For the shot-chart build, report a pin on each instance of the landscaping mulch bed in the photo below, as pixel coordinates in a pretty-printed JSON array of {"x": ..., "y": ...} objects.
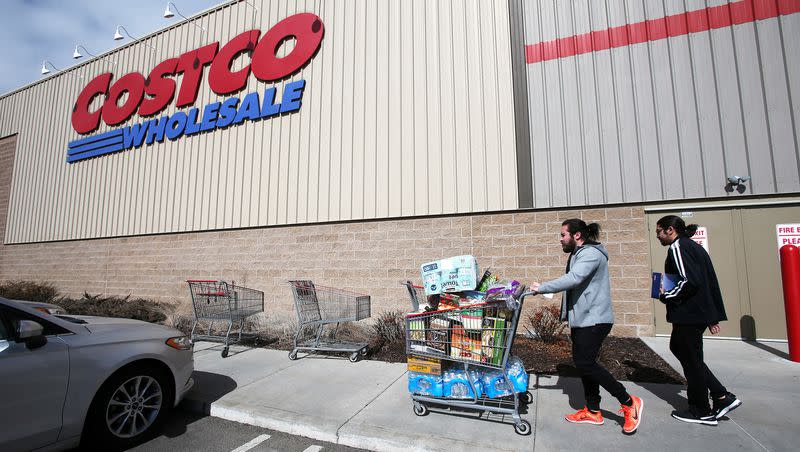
[{"x": 627, "y": 358}]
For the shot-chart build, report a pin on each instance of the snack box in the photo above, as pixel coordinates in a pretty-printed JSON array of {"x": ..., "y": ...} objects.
[{"x": 425, "y": 365}]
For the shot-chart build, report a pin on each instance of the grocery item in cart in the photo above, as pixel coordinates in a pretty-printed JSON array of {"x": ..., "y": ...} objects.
[
  {"x": 486, "y": 281},
  {"x": 425, "y": 384},
  {"x": 492, "y": 340},
  {"x": 517, "y": 373},
  {"x": 453, "y": 274},
  {"x": 428, "y": 366},
  {"x": 457, "y": 386},
  {"x": 465, "y": 345},
  {"x": 495, "y": 384},
  {"x": 471, "y": 319},
  {"x": 437, "y": 336},
  {"x": 416, "y": 330}
]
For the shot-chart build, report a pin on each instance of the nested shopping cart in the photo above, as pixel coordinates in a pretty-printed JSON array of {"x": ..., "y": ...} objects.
[
  {"x": 219, "y": 301},
  {"x": 319, "y": 307},
  {"x": 478, "y": 339}
]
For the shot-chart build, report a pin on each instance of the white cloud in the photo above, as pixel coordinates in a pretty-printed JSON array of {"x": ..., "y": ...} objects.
[{"x": 38, "y": 30}]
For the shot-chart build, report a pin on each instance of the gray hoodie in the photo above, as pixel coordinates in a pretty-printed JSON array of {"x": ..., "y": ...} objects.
[{"x": 586, "y": 287}]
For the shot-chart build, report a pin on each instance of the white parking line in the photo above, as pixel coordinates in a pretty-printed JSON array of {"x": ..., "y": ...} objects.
[
  {"x": 313, "y": 449},
  {"x": 251, "y": 444}
]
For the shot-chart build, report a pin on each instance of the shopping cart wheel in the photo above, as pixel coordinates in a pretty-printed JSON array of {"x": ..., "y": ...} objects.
[
  {"x": 293, "y": 355},
  {"x": 526, "y": 397},
  {"x": 523, "y": 428},
  {"x": 225, "y": 352},
  {"x": 420, "y": 409},
  {"x": 355, "y": 357}
]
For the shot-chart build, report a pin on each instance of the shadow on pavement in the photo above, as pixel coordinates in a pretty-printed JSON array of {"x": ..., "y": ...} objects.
[
  {"x": 767, "y": 348},
  {"x": 571, "y": 386},
  {"x": 208, "y": 388}
]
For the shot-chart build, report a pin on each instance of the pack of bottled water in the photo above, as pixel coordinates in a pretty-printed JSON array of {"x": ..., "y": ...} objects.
[
  {"x": 457, "y": 383},
  {"x": 454, "y": 381}
]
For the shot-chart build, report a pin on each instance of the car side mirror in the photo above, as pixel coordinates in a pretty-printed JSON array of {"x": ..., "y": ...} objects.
[{"x": 30, "y": 333}]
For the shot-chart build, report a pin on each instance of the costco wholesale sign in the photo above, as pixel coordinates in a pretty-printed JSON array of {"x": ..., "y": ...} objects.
[{"x": 150, "y": 96}]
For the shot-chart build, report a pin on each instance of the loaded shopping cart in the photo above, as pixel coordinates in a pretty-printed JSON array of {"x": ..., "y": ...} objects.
[
  {"x": 319, "y": 307},
  {"x": 219, "y": 301},
  {"x": 460, "y": 357}
]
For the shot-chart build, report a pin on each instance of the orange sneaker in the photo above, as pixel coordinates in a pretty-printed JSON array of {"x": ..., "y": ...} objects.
[
  {"x": 633, "y": 415},
  {"x": 585, "y": 416}
]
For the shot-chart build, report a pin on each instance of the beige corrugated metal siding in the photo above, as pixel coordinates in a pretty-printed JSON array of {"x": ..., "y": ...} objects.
[
  {"x": 407, "y": 111},
  {"x": 666, "y": 119}
]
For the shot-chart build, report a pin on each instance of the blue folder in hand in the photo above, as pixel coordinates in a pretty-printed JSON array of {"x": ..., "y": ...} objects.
[
  {"x": 655, "y": 287},
  {"x": 665, "y": 281}
]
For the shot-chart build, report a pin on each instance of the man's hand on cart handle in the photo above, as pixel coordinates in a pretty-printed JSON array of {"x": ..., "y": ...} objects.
[{"x": 535, "y": 291}]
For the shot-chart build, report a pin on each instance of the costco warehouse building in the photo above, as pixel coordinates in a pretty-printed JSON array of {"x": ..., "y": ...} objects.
[{"x": 350, "y": 141}]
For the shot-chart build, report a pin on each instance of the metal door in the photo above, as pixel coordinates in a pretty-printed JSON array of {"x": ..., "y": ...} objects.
[{"x": 768, "y": 318}]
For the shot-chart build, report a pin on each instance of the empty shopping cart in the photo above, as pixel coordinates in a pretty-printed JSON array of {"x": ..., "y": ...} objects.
[
  {"x": 219, "y": 301},
  {"x": 319, "y": 306}
]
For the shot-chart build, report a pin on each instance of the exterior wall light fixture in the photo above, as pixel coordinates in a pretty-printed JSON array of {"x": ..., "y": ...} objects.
[
  {"x": 168, "y": 13},
  {"x": 46, "y": 71},
  {"x": 119, "y": 36},
  {"x": 77, "y": 54}
]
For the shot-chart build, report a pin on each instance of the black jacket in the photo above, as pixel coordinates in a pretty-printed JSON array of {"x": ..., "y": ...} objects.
[{"x": 696, "y": 298}]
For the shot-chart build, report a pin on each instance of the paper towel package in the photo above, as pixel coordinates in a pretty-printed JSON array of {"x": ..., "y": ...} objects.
[{"x": 450, "y": 275}]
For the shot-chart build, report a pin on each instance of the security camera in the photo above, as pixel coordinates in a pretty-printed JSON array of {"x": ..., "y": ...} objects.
[{"x": 738, "y": 180}]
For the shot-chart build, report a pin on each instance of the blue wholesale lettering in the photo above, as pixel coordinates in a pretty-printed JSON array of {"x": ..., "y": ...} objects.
[{"x": 215, "y": 115}]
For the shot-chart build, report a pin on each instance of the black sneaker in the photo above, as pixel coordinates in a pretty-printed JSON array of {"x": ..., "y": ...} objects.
[
  {"x": 725, "y": 405},
  {"x": 694, "y": 417}
]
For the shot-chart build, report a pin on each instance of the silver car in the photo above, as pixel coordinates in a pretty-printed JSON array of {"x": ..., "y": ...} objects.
[{"x": 97, "y": 380}]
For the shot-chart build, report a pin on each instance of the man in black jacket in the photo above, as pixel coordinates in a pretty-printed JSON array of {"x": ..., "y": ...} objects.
[{"x": 693, "y": 304}]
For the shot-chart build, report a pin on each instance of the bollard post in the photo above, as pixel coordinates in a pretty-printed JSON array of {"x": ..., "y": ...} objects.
[{"x": 790, "y": 274}]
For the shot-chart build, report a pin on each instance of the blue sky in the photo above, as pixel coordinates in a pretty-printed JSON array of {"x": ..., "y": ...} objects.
[{"x": 38, "y": 30}]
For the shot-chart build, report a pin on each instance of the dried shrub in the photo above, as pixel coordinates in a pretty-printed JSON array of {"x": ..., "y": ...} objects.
[
  {"x": 120, "y": 307},
  {"x": 546, "y": 323},
  {"x": 180, "y": 322},
  {"x": 389, "y": 327},
  {"x": 29, "y": 291}
]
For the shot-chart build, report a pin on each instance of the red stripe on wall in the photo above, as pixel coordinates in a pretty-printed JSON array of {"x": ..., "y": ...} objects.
[{"x": 711, "y": 18}]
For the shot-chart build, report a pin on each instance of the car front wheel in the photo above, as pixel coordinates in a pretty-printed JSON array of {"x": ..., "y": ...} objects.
[{"x": 129, "y": 405}]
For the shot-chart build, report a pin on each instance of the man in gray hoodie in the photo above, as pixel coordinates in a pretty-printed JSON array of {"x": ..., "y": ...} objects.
[{"x": 586, "y": 305}]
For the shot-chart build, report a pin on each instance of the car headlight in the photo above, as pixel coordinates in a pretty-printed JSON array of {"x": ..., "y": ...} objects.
[
  {"x": 52, "y": 311},
  {"x": 180, "y": 343}
]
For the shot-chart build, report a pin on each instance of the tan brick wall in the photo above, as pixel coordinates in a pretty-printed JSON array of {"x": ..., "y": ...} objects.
[{"x": 372, "y": 257}]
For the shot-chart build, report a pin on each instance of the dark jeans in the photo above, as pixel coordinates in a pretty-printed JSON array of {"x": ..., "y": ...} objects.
[
  {"x": 686, "y": 343},
  {"x": 586, "y": 344}
]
